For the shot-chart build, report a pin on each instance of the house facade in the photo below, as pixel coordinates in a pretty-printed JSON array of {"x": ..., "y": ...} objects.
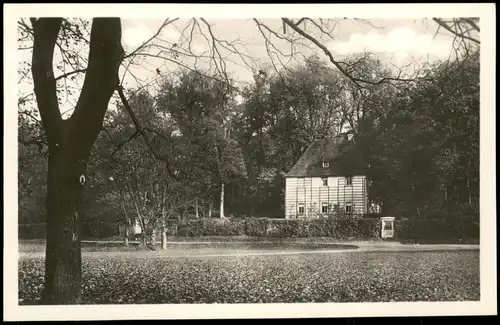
[{"x": 322, "y": 183}]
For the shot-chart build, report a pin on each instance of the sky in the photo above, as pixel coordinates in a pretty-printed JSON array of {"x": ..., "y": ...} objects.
[{"x": 398, "y": 42}]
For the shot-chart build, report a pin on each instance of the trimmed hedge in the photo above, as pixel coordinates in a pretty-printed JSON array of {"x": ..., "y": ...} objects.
[
  {"x": 282, "y": 228},
  {"x": 436, "y": 229},
  {"x": 439, "y": 230}
]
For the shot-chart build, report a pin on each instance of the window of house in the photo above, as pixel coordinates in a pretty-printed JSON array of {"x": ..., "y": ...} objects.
[
  {"x": 348, "y": 207},
  {"x": 326, "y": 164},
  {"x": 300, "y": 181},
  {"x": 325, "y": 181},
  {"x": 348, "y": 181},
  {"x": 301, "y": 208},
  {"x": 324, "y": 207}
]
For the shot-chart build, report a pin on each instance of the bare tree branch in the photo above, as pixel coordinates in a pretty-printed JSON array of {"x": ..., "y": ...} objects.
[
  {"x": 67, "y": 74},
  {"x": 121, "y": 144},
  {"x": 455, "y": 32},
  {"x": 328, "y": 53}
]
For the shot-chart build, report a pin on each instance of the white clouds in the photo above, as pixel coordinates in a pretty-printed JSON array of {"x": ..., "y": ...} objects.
[
  {"x": 198, "y": 48},
  {"x": 401, "y": 42},
  {"x": 135, "y": 36},
  {"x": 170, "y": 35}
]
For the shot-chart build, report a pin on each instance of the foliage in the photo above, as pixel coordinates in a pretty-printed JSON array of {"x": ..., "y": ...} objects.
[
  {"x": 422, "y": 145},
  {"x": 354, "y": 277},
  {"x": 283, "y": 113},
  {"x": 341, "y": 229},
  {"x": 437, "y": 230},
  {"x": 419, "y": 139},
  {"x": 203, "y": 111}
]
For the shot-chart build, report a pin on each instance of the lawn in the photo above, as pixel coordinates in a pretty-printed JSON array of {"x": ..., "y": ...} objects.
[{"x": 337, "y": 277}]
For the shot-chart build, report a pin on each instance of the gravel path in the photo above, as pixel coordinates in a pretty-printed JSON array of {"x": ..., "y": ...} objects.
[{"x": 201, "y": 249}]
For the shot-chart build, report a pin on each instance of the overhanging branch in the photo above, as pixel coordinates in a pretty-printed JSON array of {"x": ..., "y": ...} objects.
[
  {"x": 457, "y": 33},
  {"x": 140, "y": 130},
  {"x": 358, "y": 81},
  {"x": 70, "y": 73}
]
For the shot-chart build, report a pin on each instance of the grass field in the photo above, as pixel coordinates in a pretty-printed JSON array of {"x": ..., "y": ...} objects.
[{"x": 133, "y": 277}]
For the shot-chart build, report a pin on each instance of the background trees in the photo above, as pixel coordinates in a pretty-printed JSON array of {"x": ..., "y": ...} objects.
[
  {"x": 420, "y": 139},
  {"x": 204, "y": 111},
  {"x": 424, "y": 150}
]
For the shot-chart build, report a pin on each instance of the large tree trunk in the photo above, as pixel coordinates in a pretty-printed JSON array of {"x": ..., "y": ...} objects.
[
  {"x": 69, "y": 144},
  {"x": 63, "y": 250}
]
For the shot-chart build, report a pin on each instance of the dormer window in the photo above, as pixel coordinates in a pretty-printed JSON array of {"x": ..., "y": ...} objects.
[{"x": 326, "y": 164}]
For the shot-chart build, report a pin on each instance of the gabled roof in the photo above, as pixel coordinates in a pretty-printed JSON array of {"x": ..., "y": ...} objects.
[{"x": 310, "y": 164}]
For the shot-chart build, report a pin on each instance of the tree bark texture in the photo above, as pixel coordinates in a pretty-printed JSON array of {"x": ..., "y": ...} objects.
[{"x": 69, "y": 143}]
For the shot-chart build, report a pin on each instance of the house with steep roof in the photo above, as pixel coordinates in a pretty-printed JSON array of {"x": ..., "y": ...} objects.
[{"x": 322, "y": 182}]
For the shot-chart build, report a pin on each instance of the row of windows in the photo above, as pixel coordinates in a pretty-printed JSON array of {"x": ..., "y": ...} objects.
[
  {"x": 348, "y": 181},
  {"x": 324, "y": 207}
]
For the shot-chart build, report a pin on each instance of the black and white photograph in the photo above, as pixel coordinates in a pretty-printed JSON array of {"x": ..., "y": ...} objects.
[{"x": 212, "y": 161}]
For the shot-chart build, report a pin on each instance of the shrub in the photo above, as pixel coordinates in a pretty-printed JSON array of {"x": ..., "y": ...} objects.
[
  {"x": 212, "y": 227},
  {"x": 256, "y": 227},
  {"x": 439, "y": 230},
  {"x": 372, "y": 215},
  {"x": 436, "y": 229},
  {"x": 282, "y": 228}
]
